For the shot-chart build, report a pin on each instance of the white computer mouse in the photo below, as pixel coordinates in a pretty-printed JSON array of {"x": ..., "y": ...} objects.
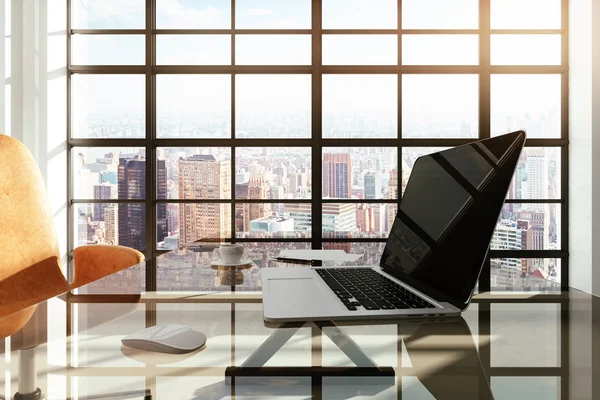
[{"x": 172, "y": 339}]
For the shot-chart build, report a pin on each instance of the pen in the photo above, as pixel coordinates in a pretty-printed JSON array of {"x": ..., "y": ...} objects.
[{"x": 298, "y": 260}]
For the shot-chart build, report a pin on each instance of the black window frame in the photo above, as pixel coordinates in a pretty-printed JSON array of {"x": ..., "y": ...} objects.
[{"x": 317, "y": 142}]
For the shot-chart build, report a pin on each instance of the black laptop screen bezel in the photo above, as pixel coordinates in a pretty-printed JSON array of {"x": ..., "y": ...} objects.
[{"x": 459, "y": 302}]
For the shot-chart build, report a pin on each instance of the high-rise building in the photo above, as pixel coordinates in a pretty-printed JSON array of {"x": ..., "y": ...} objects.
[
  {"x": 372, "y": 182},
  {"x": 111, "y": 225},
  {"x": 339, "y": 219},
  {"x": 161, "y": 208},
  {"x": 536, "y": 237},
  {"x": 102, "y": 192},
  {"x": 337, "y": 176},
  {"x": 536, "y": 168},
  {"x": 258, "y": 189},
  {"x": 132, "y": 216},
  {"x": 379, "y": 221},
  {"x": 242, "y": 210},
  {"x": 364, "y": 218},
  {"x": 301, "y": 213},
  {"x": 202, "y": 177},
  {"x": 507, "y": 237},
  {"x": 392, "y": 194}
]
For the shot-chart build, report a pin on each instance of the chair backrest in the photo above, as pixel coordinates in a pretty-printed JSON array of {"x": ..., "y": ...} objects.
[
  {"x": 27, "y": 233},
  {"x": 29, "y": 253}
]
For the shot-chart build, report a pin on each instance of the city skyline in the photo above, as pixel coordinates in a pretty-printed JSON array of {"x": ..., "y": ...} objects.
[{"x": 367, "y": 174}]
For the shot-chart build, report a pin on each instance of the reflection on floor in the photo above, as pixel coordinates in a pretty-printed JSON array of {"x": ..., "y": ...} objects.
[{"x": 541, "y": 347}]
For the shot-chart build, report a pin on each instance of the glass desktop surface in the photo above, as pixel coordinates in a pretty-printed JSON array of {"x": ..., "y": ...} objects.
[{"x": 79, "y": 352}]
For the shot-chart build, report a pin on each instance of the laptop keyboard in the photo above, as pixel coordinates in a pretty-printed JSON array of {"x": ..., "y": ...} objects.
[{"x": 363, "y": 287}]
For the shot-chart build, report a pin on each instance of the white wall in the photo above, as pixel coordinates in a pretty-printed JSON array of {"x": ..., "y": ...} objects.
[
  {"x": 36, "y": 98},
  {"x": 584, "y": 186},
  {"x": 584, "y": 154},
  {"x": 581, "y": 233}
]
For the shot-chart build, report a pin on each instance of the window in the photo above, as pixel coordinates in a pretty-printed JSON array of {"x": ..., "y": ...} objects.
[
  {"x": 280, "y": 125},
  {"x": 243, "y": 122}
]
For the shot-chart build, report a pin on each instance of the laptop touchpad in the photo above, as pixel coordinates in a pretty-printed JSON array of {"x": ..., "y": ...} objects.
[{"x": 301, "y": 296}]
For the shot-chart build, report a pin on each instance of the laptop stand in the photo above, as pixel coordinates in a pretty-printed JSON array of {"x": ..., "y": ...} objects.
[{"x": 254, "y": 367}]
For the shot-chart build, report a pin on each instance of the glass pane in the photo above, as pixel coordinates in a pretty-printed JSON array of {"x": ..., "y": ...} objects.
[
  {"x": 193, "y": 173},
  {"x": 359, "y": 173},
  {"x": 273, "y": 220},
  {"x": 347, "y": 220},
  {"x": 528, "y": 227},
  {"x": 528, "y": 102},
  {"x": 193, "y": 106},
  {"x": 108, "y": 14},
  {"x": 360, "y": 49},
  {"x": 273, "y": 106},
  {"x": 409, "y": 157},
  {"x": 537, "y": 175},
  {"x": 107, "y": 223},
  {"x": 199, "y": 14},
  {"x": 268, "y": 14},
  {"x": 128, "y": 281},
  {"x": 108, "y": 49},
  {"x": 273, "y": 50},
  {"x": 525, "y": 14},
  {"x": 190, "y": 222},
  {"x": 262, "y": 253},
  {"x": 371, "y": 251},
  {"x": 526, "y": 387},
  {"x": 108, "y": 106},
  {"x": 360, "y": 14},
  {"x": 360, "y": 106},
  {"x": 440, "y": 49},
  {"x": 102, "y": 173},
  {"x": 193, "y": 49},
  {"x": 526, "y": 335},
  {"x": 273, "y": 173},
  {"x": 440, "y": 106},
  {"x": 526, "y": 49},
  {"x": 440, "y": 14},
  {"x": 525, "y": 275}
]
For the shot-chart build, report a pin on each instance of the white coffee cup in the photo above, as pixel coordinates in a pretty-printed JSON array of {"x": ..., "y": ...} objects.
[{"x": 231, "y": 253}]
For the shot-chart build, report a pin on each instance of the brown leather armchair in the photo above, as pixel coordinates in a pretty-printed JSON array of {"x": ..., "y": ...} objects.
[{"x": 30, "y": 269}]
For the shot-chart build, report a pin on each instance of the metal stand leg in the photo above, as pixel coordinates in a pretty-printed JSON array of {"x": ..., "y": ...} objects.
[
  {"x": 28, "y": 389},
  {"x": 254, "y": 366}
]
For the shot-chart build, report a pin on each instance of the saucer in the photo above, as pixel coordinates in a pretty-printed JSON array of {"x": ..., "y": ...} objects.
[{"x": 241, "y": 263}]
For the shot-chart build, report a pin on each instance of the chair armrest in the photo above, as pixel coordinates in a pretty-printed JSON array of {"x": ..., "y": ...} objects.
[{"x": 95, "y": 262}]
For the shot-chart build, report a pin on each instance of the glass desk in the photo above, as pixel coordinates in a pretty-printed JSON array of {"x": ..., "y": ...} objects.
[{"x": 501, "y": 346}]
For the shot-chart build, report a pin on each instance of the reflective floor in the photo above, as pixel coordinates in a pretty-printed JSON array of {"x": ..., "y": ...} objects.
[{"x": 504, "y": 347}]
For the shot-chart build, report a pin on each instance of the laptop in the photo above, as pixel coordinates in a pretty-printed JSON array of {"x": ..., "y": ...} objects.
[{"x": 434, "y": 253}]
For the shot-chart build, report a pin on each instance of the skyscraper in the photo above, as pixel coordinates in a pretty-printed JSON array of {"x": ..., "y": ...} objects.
[
  {"x": 536, "y": 237},
  {"x": 258, "y": 188},
  {"x": 111, "y": 224},
  {"x": 301, "y": 213},
  {"x": 392, "y": 208},
  {"x": 536, "y": 168},
  {"x": 132, "y": 216},
  {"x": 337, "y": 176},
  {"x": 339, "y": 219},
  {"x": 364, "y": 218},
  {"x": 372, "y": 186},
  {"x": 102, "y": 192},
  {"x": 161, "y": 208},
  {"x": 202, "y": 177}
]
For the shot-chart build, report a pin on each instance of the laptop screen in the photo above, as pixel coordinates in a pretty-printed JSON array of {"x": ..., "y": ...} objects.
[{"x": 450, "y": 207}]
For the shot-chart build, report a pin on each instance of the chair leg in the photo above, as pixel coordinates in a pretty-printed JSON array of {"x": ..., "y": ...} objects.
[{"x": 28, "y": 389}]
